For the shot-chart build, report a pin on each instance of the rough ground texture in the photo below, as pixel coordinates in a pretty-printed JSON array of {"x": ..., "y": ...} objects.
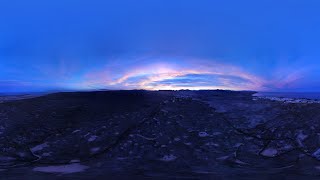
[{"x": 158, "y": 135}]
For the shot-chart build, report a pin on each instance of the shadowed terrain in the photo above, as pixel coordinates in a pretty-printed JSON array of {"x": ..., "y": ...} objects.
[{"x": 159, "y": 135}]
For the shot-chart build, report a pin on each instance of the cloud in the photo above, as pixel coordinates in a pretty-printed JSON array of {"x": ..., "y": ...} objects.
[{"x": 154, "y": 74}]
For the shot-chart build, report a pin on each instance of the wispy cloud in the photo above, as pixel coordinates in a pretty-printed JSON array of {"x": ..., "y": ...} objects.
[{"x": 156, "y": 75}]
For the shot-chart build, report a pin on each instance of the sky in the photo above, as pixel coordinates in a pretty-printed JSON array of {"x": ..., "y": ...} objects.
[{"x": 265, "y": 45}]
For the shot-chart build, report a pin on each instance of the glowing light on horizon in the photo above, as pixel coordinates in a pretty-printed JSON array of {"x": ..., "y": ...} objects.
[{"x": 152, "y": 77}]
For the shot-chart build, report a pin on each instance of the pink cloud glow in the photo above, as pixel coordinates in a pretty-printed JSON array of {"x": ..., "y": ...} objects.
[{"x": 157, "y": 72}]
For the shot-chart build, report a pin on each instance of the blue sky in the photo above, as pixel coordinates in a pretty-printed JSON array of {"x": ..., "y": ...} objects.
[{"x": 266, "y": 45}]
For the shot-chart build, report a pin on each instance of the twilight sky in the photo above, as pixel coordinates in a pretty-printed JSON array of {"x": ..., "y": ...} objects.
[{"x": 266, "y": 45}]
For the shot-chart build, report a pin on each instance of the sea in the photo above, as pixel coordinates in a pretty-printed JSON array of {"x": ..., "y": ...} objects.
[{"x": 297, "y": 95}]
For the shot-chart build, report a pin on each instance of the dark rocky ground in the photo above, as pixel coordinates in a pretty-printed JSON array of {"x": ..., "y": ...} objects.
[{"x": 158, "y": 135}]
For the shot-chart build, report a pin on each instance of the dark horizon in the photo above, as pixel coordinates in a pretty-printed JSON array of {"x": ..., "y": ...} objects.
[{"x": 96, "y": 90}]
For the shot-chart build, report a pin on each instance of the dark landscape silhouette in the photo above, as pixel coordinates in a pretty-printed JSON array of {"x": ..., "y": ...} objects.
[{"x": 160, "y": 135}]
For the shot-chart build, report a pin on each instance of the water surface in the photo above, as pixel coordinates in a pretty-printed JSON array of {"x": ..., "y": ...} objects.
[{"x": 304, "y": 95}]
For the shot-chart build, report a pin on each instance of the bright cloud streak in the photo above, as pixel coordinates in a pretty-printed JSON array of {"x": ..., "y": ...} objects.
[{"x": 151, "y": 76}]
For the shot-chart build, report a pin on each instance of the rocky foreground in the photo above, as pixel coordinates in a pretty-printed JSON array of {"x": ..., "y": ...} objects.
[{"x": 159, "y": 135}]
